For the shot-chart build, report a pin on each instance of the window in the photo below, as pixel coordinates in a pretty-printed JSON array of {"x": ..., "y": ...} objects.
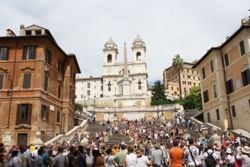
[
  {"x": 48, "y": 56},
  {"x": 1, "y": 81},
  {"x": 249, "y": 103},
  {"x": 28, "y": 32},
  {"x": 58, "y": 116},
  {"x": 101, "y": 88},
  {"x": 205, "y": 96},
  {"x": 4, "y": 53},
  {"x": 226, "y": 60},
  {"x": 22, "y": 139},
  {"x": 24, "y": 114},
  {"x": 212, "y": 66},
  {"x": 88, "y": 92},
  {"x": 60, "y": 66},
  {"x": 172, "y": 88},
  {"x": 242, "y": 48},
  {"x": 203, "y": 73},
  {"x": 229, "y": 86},
  {"x": 184, "y": 82},
  {"x": 215, "y": 91},
  {"x": 189, "y": 83},
  {"x": 233, "y": 111},
  {"x": 81, "y": 96},
  {"x": 218, "y": 114},
  {"x": 208, "y": 118},
  {"x": 44, "y": 113},
  {"x": 29, "y": 52},
  {"x": 59, "y": 90},
  {"x": 38, "y": 32},
  {"x": 46, "y": 82},
  {"x": 245, "y": 77},
  {"x": 139, "y": 84},
  {"x": 88, "y": 85},
  {"x": 138, "y": 56},
  {"x": 109, "y": 86},
  {"x": 26, "y": 81},
  {"x": 109, "y": 58}
]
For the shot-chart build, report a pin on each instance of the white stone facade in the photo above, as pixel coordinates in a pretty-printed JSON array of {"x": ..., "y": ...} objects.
[{"x": 127, "y": 78}]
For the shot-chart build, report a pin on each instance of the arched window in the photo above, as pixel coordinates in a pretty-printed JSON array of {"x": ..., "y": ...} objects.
[
  {"x": 139, "y": 84},
  {"x": 138, "y": 56},
  {"x": 109, "y": 58}
]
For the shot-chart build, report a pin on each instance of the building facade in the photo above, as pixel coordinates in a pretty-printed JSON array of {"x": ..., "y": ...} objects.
[
  {"x": 189, "y": 78},
  {"x": 119, "y": 79},
  {"x": 37, "y": 85},
  {"x": 122, "y": 90},
  {"x": 225, "y": 81}
]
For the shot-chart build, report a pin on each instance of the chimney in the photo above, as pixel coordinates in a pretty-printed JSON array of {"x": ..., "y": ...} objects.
[{"x": 22, "y": 31}]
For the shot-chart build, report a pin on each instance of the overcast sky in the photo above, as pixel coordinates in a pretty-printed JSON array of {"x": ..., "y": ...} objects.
[{"x": 168, "y": 27}]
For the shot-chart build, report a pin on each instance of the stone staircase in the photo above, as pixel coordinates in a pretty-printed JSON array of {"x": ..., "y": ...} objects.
[{"x": 93, "y": 127}]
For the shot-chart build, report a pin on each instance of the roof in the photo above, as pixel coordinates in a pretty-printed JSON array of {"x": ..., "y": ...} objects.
[
  {"x": 187, "y": 63},
  {"x": 89, "y": 78},
  {"x": 75, "y": 61},
  {"x": 244, "y": 26},
  {"x": 45, "y": 36}
]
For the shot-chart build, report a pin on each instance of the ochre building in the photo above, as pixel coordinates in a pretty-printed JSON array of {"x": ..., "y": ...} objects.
[
  {"x": 37, "y": 86},
  {"x": 189, "y": 78},
  {"x": 225, "y": 81}
]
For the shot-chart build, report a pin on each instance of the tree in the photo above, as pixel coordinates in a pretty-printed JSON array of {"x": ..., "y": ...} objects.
[
  {"x": 78, "y": 107},
  {"x": 193, "y": 100},
  {"x": 158, "y": 93},
  {"x": 177, "y": 63}
]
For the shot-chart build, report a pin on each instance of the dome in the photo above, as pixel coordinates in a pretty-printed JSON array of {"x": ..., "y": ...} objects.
[
  {"x": 110, "y": 43},
  {"x": 138, "y": 41}
]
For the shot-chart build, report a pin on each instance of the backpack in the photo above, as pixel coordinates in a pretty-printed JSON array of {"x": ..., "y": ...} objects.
[
  {"x": 89, "y": 160},
  {"x": 210, "y": 161}
]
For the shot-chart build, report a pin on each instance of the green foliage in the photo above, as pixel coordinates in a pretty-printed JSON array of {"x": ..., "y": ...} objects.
[
  {"x": 78, "y": 106},
  {"x": 177, "y": 63},
  {"x": 158, "y": 93},
  {"x": 193, "y": 100}
]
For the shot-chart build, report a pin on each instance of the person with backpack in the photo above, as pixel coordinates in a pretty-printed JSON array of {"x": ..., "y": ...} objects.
[
  {"x": 209, "y": 157},
  {"x": 81, "y": 157}
]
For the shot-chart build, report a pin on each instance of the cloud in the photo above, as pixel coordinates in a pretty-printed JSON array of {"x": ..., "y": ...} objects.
[{"x": 188, "y": 28}]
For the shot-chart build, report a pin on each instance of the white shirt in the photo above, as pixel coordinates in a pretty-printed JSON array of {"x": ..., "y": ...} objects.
[
  {"x": 131, "y": 160},
  {"x": 244, "y": 159},
  {"x": 142, "y": 161},
  {"x": 195, "y": 153}
]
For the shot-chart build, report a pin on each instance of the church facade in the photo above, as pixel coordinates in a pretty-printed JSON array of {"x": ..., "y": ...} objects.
[
  {"x": 119, "y": 79},
  {"x": 122, "y": 91}
]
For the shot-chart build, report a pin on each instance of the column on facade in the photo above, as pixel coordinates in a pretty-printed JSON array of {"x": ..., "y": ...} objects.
[{"x": 221, "y": 91}]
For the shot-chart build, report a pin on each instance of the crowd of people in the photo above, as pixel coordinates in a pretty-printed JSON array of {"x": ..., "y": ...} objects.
[{"x": 156, "y": 142}]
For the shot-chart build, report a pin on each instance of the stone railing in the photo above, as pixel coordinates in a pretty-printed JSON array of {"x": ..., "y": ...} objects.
[
  {"x": 67, "y": 136},
  {"x": 160, "y": 108}
]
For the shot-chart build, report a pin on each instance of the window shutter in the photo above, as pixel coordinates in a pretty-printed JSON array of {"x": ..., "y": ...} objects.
[
  {"x": 24, "y": 53},
  {"x": 29, "y": 114},
  {"x": 18, "y": 114},
  {"x": 33, "y": 52}
]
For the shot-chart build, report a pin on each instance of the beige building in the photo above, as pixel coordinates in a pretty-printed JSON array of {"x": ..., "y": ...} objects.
[
  {"x": 225, "y": 81},
  {"x": 37, "y": 86},
  {"x": 189, "y": 78}
]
